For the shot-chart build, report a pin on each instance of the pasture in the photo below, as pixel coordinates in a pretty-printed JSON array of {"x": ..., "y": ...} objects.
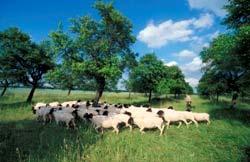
[{"x": 22, "y": 138}]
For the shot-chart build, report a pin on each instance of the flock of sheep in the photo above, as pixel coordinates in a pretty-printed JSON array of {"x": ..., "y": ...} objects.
[{"x": 113, "y": 116}]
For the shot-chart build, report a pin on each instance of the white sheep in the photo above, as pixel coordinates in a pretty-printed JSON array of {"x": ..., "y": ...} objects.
[
  {"x": 201, "y": 117},
  {"x": 65, "y": 117},
  {"x": 54, "y": 104},
  {"x": 188, "y": 116},
  {"x": 150, "y": 122},
  {"x": 36, "y": 107},
  {"x": 69, "y": 103},
  {"x": 102, "y": 122},
  {"x": 42, "y": 113},
  {"x": 128, "y": 120}
]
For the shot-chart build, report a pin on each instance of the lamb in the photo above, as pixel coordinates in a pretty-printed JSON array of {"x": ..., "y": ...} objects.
[
  {"x": 202, "y": 117},
  {"x": 150, "y": 122},
  {"x": 61, "y": 116},
  {"x": 102, "y": 122}
]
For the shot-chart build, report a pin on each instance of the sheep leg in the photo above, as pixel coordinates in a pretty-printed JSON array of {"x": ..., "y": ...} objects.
[
  {"x": 185, "y": 122},
  {"x": 162, "y": 130},
  {"x": 195, "y": 122},
  {"x": 168, "y": 124},
  {"x": 180, "y": 123},
  {"x": 130, "y": 128},
  {"x": 141, "y": 130},
  {"x": 208, "y": 122}
]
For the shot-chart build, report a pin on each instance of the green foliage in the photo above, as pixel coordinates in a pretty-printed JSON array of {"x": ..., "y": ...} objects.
[
  {"x": 28, "y": 61},
  {"x": 219, "y": 59},
  {"x": 238, "y": 13}
]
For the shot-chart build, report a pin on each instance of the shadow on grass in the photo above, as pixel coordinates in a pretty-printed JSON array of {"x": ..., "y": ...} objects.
[
  {"x": 240, "y": 114},
  {"x": 28, "y": 140},
  {"x": 14, "y": 105}
]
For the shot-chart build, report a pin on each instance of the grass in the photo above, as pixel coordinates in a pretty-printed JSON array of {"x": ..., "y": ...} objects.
[{"x": 23, "y": 139}]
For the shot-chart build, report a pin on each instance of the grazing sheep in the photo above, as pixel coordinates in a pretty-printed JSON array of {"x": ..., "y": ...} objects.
[
  {"x": 61, "y": 116},
  {"x": 102, "y": 122},
  {"x": 150, "y": 122},
  {"x": 202, "y": 117}
]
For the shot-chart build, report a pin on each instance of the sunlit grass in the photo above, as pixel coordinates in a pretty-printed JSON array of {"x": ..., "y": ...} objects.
[{"x": 24, "y": 139}]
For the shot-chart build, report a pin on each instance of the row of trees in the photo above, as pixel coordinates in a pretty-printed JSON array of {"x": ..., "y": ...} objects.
[
  {"x": 152, "y": 76},
  {"x": 91, "y": 55},
  {"x": 227, "y": 67}
]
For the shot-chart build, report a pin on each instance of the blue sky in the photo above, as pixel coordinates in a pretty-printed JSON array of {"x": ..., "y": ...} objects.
[{"x": 176, "y": 30}]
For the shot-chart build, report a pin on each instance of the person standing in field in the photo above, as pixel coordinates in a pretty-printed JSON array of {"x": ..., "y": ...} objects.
[{"x": 188, "y": 101}]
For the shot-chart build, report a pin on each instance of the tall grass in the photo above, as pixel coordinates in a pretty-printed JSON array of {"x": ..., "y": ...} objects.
[{"x": 24, "y": 139}]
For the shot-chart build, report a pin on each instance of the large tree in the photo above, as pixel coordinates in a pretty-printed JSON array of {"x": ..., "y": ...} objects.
[
  {"x": 26, "y": 57},
  {"x": 103, "y": 46}
]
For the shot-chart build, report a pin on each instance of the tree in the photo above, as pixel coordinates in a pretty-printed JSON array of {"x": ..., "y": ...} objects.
[
  {"x": 238, "y": 12},
  {"x": 25, "y": 57},
  {"x": 148, "y": 74},
  {"x": 220, "y": 59},
  {"x": 102, "y": 46},
  {"x": 212, "y": 84},
  {"x": 64, "y": 76}
]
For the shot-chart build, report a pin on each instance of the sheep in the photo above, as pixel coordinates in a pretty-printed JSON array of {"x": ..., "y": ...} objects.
[
  {"x": 70, "y": 103},
  {"x": 150, "y": 122},
  {"x": 188, "y": 116},
  {"x": 43, "y": 112},
  {"x": 173, "y": 116},
  {"x": 127, "y": 119},
  {"x": 82, "y": 112},
  {"x": 102, "y": 122},
  {"x": 202, "y": 117},
  {"x": 36, "y": 107},
  {"x": 54, "y": 104},
  {"x": 61, "y": 116}
]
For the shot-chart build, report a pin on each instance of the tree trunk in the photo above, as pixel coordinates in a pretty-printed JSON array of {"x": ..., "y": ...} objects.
[
  {"x": 100, "y": 89},
  {"x": 4, "y": 90},
  {"x": 69, "y": 91},
  {"x": 175, "y": 95},
  {"x": 29, "y": 99},
  {"x": 129, "y": 94},
  {"x": 150, "y": 96}
]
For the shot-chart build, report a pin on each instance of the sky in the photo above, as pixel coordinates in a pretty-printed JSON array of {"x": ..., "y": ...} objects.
[{"x": 175, "y": 30}]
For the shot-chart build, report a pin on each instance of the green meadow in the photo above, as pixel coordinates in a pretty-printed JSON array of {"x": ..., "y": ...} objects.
[{"x": 22, "y": 138}]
